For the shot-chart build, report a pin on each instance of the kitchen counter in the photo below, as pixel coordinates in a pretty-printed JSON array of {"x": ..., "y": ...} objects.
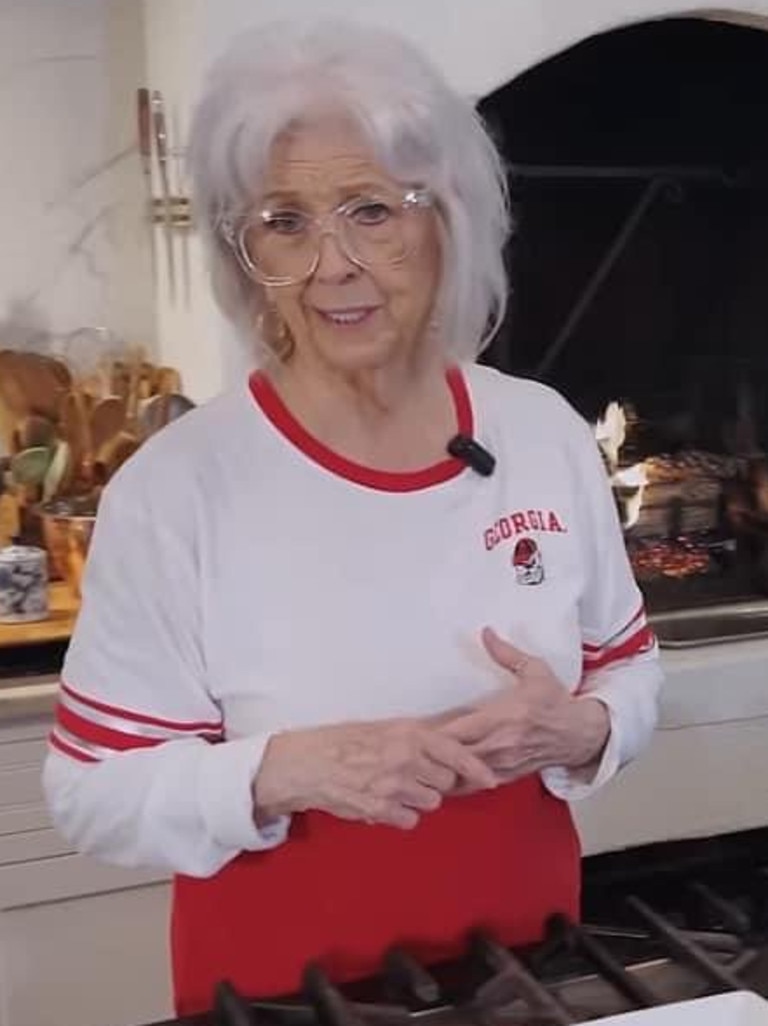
[{"x": 56, "y": 627}]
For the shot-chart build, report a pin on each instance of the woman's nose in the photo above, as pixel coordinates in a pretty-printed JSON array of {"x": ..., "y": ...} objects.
[{"x": 333, "y": 264}]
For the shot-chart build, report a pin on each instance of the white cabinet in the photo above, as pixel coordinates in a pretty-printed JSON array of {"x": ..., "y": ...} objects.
[{"x": 80, "y": 944}]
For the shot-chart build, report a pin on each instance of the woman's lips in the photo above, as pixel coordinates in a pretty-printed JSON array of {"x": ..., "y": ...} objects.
[{"x": 349, "y": 316}]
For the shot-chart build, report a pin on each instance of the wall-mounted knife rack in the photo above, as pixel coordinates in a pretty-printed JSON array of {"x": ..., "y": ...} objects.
[{"x": 162, "y": 159}]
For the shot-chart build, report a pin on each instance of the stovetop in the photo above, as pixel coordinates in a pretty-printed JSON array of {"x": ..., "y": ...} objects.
[{"x": 661, "y": 924}]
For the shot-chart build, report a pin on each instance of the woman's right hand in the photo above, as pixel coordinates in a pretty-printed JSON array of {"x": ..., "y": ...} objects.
[{"x": 388, "y": 772}]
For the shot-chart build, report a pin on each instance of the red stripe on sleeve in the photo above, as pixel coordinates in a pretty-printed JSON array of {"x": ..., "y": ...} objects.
[
  {"x": 641, "y": 641},
  {"x": 194, "y": 727},
  {"x": 107, "y": 737},
  {"x": 591, "y": 649},
  {"x": 73, "y": 753}
]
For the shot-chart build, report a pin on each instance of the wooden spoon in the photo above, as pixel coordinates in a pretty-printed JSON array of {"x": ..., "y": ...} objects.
[
  {"x": 60, "y": 473},
  {"x": 35, "y": 382},
  {"x": 160, "y": 410},
  {"x": 113, "y": 454},
  {"x": 30, "y": 466},
  {"x": 147, "y": 374},
  {"x": 107, "y": 420},
  {"x": 10, "y": 519},
  {"x": 167, "y": 381},
  {"x": 13, "y": 394},
  {"x": 33, "y": 432},
  {"x": 75, "y": 427}
]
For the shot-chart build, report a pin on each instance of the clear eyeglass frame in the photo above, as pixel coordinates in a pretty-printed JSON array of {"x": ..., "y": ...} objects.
[{"x": 332, "y": 223}]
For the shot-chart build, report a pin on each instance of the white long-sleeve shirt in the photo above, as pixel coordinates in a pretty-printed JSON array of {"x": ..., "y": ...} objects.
[{"x": 244, "y": 579}]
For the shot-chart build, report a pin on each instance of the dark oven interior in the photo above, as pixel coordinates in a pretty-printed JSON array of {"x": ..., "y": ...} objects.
[{"x": 638, "y": 170}]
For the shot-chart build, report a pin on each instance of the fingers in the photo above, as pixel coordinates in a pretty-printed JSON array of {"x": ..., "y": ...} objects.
[
  {"x": 406, "y": 775},
  {"x": 408, "y": 791},
  {"x": 420, "y": 797},
  {"x": 391, "y": 812},
  {"x": 505, "y": 654},
  {"x": 472, "y": 728},
  {"x": 449, "y": 751},
  {"x": 435, "y": 775}
]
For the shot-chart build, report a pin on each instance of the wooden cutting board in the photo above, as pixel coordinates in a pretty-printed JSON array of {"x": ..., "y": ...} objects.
[{"x": 58, "y": 626}]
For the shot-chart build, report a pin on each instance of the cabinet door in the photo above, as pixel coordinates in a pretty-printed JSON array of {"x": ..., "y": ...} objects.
[
  {"x": 97, "y": 960},
  {"x": 25, "y": 828}
]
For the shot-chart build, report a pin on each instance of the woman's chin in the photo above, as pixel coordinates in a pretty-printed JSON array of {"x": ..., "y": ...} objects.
[{"x": 349, "y": 353}]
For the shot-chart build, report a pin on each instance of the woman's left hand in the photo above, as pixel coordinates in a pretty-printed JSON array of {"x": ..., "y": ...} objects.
[{"x": 533, "y": 722}]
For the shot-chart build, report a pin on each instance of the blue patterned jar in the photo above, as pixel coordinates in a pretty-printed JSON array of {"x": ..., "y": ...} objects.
[{"x": 23, "y": 584}]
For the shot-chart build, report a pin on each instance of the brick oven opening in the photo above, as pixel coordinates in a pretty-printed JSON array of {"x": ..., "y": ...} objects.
[{"x": 638, "y": 169}]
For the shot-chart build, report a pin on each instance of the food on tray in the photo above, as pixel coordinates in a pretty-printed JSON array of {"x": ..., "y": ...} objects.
[
  {"x": 692, "y": 463},
  {"x": 676, "y": 559}
]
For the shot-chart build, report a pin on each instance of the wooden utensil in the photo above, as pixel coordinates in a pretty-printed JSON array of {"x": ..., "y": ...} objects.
[
  {"x": 32, "y": 383},
  {"x": 147, "y": 373},
  {"x": 118, "y": 379},
  {"x": 113, "y": 455},
  {"x": 30, "y": 466},
  {"x": 75, "y": 427},
  {"x": 33, "y": 432},
  {"x": 8, "y": 423},
  {"x": 10, "y": 520},
  {"x": 60, "y": 473},
  {"x": 97, "y": 386},
  {"x": 135, "y": 371},
  {"x": 13, "y": 394},
  {"x": 107, "y": 420},
  {"x": 167, "y": 381},
  {"x": 160, "y": 410}
]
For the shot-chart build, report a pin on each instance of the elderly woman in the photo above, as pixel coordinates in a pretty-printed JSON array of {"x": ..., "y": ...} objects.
[{"x": 354, "y": 633}]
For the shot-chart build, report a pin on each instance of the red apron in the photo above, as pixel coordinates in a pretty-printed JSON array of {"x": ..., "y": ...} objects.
[{"x": 341, "y": 894}]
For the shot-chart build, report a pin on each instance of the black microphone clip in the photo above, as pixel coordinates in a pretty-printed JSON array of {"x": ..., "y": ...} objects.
[{"x": 466, "y": 449}]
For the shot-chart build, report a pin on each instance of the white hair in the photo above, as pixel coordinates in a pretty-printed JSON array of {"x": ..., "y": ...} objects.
[{"x": 420, "y": 130}]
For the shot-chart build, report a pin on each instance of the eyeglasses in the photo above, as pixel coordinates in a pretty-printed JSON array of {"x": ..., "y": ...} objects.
[{"x": 281, "y": 246}]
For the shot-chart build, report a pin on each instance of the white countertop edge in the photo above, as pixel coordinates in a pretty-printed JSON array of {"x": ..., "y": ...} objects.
[
  {"x": 20, "y": 701},
  {"x": 710, "y": 656}
]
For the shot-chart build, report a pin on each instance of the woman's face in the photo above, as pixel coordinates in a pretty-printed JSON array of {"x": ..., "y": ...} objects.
[{"x": 346, "y": 316}]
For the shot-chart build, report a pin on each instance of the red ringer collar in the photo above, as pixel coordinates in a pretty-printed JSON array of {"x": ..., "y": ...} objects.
[{"x": 278, "y": 414}]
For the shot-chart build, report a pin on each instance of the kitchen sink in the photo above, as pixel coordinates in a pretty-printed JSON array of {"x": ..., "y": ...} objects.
[{"x": 711, "y": 625}]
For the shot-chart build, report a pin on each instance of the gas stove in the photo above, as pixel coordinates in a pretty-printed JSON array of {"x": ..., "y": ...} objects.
[{"x": 664, "y": 924}]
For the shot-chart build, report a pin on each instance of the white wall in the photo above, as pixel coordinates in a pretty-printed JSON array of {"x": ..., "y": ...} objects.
[
  {"x": 191, "y": 333},
  {"x": 73, "y": 251},
  {"x": 479, "y": 44}
]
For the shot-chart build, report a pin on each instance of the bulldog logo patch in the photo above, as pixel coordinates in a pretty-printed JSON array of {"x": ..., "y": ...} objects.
[{"x": 527, "y": 562}]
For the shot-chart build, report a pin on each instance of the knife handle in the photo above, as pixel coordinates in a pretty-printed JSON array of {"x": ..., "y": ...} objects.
[
  {"x": 161, "y": 133},
  {"x": 144, "y": 123}
]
